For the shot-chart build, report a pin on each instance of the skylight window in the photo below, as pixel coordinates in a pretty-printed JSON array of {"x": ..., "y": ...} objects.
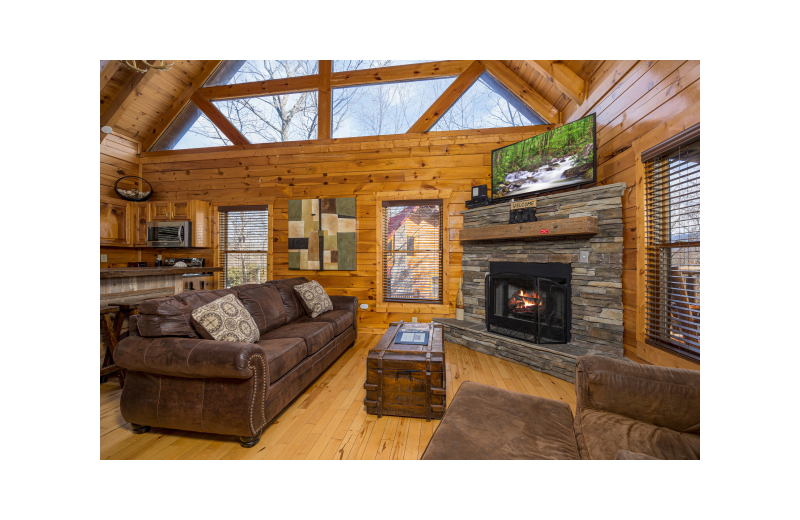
[
  {"x": 487, "y": 104},
  {"x": 191, "y": 129},
  {"x": 387, "y": 108},
  {"x": 269, "y": 119},
  {"x": 248, "y": 71}
]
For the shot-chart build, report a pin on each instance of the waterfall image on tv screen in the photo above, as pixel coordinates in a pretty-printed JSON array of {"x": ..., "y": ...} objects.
[{"x": 555, "y": 160}]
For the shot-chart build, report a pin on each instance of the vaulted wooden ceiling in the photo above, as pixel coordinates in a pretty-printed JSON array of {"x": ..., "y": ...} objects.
[{"x": 141, "y": 106}]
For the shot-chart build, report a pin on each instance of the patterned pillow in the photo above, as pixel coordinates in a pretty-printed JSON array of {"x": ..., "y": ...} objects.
[
  {"x": 314, "y": 298},
  {"x": 225, "y": 319}
]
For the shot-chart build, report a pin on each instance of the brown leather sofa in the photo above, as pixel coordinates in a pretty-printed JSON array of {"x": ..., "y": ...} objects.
[
  {"x": 625, "y": 411},
  {"x": 176, "y": 379}
]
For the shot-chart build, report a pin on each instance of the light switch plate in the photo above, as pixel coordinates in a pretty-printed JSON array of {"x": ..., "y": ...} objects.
[
  {"x": 364, "y": 306},
  {"x": 104, "y": 258},
  {"x": 414, "y": 319},
  {"x": 585, "y": 257}
]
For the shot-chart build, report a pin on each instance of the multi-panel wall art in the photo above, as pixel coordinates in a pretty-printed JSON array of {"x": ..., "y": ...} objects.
[{"x": 322, "y": 234}]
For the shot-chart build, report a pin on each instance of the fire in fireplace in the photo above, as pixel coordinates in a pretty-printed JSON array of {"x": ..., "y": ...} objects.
[
  {"x": 525, "y": 303},
  {"x": 529, "y": 301}
]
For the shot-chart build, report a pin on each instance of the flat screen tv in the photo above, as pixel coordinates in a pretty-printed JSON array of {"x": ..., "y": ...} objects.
[{"x": 558, "y": 159}]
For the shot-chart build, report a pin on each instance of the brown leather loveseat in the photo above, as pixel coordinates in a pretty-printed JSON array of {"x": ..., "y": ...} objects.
[
  {"x": 178, "y": 380},
  {"x": 624, "y": 411}
]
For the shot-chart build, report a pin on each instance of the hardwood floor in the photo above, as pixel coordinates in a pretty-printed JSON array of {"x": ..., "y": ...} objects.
[{"x": 329, "y": 420}]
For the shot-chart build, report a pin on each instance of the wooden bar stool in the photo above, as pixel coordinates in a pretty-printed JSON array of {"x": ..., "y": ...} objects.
[{"x": 111, "y": 333}]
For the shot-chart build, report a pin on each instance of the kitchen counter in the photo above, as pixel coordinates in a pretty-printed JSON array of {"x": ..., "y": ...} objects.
[{"x": 127, "y": 272}]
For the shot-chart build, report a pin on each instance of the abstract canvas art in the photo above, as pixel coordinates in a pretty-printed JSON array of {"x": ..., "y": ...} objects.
[{"x": 322, "y": 234}]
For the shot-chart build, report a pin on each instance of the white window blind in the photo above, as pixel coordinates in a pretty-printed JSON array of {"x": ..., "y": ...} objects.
[
  {"x": 243, "y": 244},
  {"x": 412, "y": 251},
  {"x": 672, "y": 247}
]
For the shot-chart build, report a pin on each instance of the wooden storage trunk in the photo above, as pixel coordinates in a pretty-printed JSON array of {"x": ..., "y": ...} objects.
[{"x": 406, "y": 380}]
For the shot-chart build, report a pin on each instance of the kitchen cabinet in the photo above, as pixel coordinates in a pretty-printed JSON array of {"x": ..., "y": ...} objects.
[
  {"x": 115, "y": 215},
  {"x": 124, "y": 223},
  {"x": 160, "y": 211},
  {"x": 195, "y": 211},
  {"x": 180, "y": 210},
  {"x": 140, "y": 218}
]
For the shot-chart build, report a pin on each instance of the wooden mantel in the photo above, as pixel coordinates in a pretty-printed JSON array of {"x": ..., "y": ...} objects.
[{"x": 532, "y": 230}]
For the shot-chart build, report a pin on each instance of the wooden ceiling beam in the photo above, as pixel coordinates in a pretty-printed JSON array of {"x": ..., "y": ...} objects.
[
  {"x": 562, "y": 77},
  {"x": 351, "y": 78},
  {"x": 219, "y": 120},
  {"x": 522, "y": 90},
  {"x": 262, "y": 88},
  {"x": 325, "y": 103},
  {"x": 108, "y": 71},
  {"x": 448, "y": 97},
  {"x": 414, "y": 71},
  {"x": 180, "y": 103},
  {"x": 133, "y": 88}
]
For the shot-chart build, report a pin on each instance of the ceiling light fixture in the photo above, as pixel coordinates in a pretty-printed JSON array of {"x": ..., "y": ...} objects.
[{"x": 106, "y": 129}]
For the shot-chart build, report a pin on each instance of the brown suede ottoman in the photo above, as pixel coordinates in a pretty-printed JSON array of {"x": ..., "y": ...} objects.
[{"x": 484, "y": 422}]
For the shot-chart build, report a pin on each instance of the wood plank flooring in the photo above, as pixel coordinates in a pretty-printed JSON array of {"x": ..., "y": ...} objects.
[{"x": 329, "y": 420}]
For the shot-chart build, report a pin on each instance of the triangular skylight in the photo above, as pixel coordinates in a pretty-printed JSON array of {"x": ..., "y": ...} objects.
[
  {"x": 487, "y": 104},
  {"x": 191, "y": 129}
]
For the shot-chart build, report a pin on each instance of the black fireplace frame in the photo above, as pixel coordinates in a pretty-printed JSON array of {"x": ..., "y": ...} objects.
[{"x": 516, "y": 328}]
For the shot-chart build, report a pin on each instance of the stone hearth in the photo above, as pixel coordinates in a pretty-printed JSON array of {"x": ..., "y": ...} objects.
[{"x": 596, "y": 298}]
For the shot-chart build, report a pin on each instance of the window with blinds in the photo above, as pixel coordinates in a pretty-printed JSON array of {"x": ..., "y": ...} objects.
[
  {"x": 672, "y": 244},
  {"x": 413, "y": 241},
  {"x": 243, "y": 244}
]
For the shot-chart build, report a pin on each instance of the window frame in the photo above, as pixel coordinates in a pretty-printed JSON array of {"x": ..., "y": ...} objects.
[
  {"x": 219, "y": 278},
  {"x": 690, "y": 134},
  {"x": 446, "y": 307}
]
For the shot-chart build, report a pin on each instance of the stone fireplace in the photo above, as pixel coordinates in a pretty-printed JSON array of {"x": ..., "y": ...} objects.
[{"x": 544, "y": 301}]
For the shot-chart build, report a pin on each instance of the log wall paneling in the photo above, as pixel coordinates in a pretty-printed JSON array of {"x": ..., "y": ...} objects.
[
  {"x": 117, "y": 159},
  {"x": 356, "y": 167},
  {"x": 638, "y": 104}
]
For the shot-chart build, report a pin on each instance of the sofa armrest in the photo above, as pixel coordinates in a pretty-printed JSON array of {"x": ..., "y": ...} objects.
[
  {"x": 189, "y": 357},
  {"x": 347, "y": 303},
  {"x": 662, "y": 396}
]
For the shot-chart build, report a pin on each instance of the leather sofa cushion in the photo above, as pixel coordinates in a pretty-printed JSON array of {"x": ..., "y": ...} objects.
[
  {"x": 282, "y": 355},
  {"x": 601, "y": 434},
  {"x": 172, "y": 316},
  {"x": 294, "y": 309},
  {"x": 339, "y": 319},
  {"x": 489, "y": 423},
  {"x": 263, "y": 302},
  {"x": 315, "y": 335}
]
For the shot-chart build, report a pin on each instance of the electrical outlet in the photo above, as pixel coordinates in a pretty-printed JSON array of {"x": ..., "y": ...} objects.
[
  {"x": 104, "y": 258},
  {"x": 413, "y": 319},
  {"x": 585, "y": 257},
  {"x": 364, "y": 306}
]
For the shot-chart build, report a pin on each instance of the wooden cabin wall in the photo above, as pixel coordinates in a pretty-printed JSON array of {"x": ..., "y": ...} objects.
[
  {"x": 357, "y": 167},
  {"x": 632, "y": 99},
  {"x": 117, "y": 159}
]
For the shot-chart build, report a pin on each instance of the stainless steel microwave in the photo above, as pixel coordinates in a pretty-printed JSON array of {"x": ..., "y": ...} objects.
[{"x": 169, "y": 234}]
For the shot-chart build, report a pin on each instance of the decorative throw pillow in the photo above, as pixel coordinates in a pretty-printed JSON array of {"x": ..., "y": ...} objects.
[
  {"x": 314, "y": 298},
  {"x": 225, "y": 319}
]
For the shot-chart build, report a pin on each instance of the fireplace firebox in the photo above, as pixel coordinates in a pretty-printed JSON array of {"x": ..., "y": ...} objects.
[{"x": 529, "y": 301}]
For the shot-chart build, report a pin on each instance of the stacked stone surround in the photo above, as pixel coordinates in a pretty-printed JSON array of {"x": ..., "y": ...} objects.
[{"x": 596, "y": 285}]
